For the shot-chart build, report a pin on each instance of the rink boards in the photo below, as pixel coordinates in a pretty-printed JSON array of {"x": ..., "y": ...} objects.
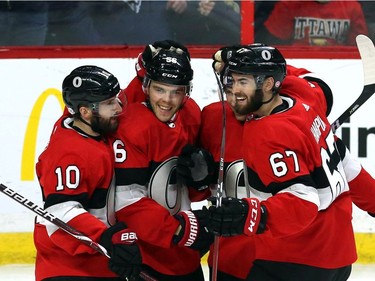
[{"x": 31, "y": 103}]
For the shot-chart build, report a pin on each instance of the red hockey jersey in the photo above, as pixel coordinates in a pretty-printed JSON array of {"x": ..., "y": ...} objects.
[
  {"x": 134, "y": 92},
  {"x": 320, "y": 252},
  {"x": 75, "y": 173},
  {"x": 294, "y": 167},
  {"x": 147, "y": 194}
]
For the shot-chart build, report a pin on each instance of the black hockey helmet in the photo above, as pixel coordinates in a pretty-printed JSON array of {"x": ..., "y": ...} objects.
[
  {"x": 87, "y": 85},
  {"x": 170, "y": 67},
  {"x": 259, "y": 60}
]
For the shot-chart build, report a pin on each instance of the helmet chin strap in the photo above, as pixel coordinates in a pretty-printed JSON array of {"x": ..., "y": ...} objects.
[
  {"x": 269, "y": 100},
  {"x": 84, "y": 121},
  {"x": 94, "y": 108},
  {"x": 259, "y": 81}
]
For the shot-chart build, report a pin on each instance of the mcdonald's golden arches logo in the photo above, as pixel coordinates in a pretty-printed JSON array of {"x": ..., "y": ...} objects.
[{"x": 29, "y": 143}]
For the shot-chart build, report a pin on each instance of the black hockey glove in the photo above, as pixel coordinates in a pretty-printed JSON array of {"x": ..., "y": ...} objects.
[
  {"x": 121, "y": 245},
  {"x": 236, "y": 216},
  {"x": 150, "y": 50},
  {"x": 167, "y": 44},
  {"x": 195, "y": 167},
  {"x": 193, "y": 231},
  {"x": 222, "y": 56}
]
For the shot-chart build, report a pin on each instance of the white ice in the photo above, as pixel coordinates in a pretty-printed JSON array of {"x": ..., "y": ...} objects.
[{"x": 25, "y": 272}]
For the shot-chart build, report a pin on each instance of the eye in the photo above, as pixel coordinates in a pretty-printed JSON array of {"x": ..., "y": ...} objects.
[
  {"x": 243, "y": 82},
  {"x": 112, "y": 101},
  {"x": 158, "y": 90},
  {"x": 180, "y": 92}
]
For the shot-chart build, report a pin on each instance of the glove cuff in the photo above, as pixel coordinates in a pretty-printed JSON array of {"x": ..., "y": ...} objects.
[
  {"x": 189, "y": 229},
  {"x": 256, "y": 217},
  {"x": 117, "y": 234}
]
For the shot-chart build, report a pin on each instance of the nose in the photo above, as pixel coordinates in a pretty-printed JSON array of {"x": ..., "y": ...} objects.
[
  {"x": 118, "y": 107},
  {"x": 167, "y": 96}
]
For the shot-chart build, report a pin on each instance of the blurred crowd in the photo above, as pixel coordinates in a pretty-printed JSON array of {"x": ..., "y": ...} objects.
[
  {"x": 118, "y": 22},
  {"x": 320, "y": 22}
]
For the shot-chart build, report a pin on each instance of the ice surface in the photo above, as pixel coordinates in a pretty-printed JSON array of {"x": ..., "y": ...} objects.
[{"x": 25, "y": 272}]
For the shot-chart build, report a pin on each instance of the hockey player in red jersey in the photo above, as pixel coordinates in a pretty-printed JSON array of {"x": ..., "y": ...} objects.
[
  {"x": 76, "y": 174},
  {"x": 134, "y": 91},
  {"x": 266, "y": 249},
  {"x": 148, "y": 198}
]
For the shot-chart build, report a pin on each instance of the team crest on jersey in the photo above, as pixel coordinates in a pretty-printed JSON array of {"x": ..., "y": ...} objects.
[
  {"x": 235, "y": 182},
  {"x": 169, "y": 194}
]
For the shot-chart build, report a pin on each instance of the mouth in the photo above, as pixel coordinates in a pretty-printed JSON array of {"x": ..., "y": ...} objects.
[
  {"x": 164, "y": 108},
  {"x": 240, "y": 99},
  {"x": 164, "y": 112}
]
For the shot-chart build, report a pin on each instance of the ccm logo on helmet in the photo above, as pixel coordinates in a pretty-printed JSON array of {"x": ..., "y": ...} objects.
[
  {"x": 253, "y": 215},
  {"x": 169, "y": 75}
]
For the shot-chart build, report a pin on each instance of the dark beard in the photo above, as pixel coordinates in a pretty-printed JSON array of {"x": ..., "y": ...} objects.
[
  {"x": 255, "y": 103},
  {"x": 103, "y": 126}
]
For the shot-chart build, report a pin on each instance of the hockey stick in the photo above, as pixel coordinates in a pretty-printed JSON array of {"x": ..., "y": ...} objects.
[
  {"x": 59, "y": 223},
  {"x": 220, "y": 181},
  {"x": 367, "y": 51}
]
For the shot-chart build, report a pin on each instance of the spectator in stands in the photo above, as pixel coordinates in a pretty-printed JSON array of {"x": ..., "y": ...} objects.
[
  {"x": 321, "y": 23},
  {"x": 205, "y": 22},
  {"x": 262, "y": 10},
  {"x": 130, "y": 22},
  {"x": 70, "y": 23},
  {"x": 23, "y": 23}
]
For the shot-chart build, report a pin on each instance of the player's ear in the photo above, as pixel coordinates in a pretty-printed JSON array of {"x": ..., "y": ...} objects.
[
  {"x": 85, "y": 112},
  {"x": 268, "y": 84}
]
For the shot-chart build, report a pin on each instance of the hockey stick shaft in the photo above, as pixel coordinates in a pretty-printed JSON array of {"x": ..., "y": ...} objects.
[
  {"x": 367, "y": 51},
  {"x": 51, "y": 218},
  {"x": 219, "y": 191},
  {"x": 59, "y": 223}
]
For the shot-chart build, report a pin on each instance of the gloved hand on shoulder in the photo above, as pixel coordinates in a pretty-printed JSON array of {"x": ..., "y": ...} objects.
[
  {"x": 121, "y": 244},
  {"x": 222, "y": 56},
  {"x": 195, "y": 167}
]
